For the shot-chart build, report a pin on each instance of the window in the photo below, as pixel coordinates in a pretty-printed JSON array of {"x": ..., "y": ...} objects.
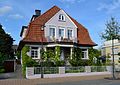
[
  {"x": 61, "y": 17},
  {"x": 34, "y": 52},
  {"x": 52, "y": 32},
  {"x": 115, "y": 50},
  {"x": 69, "y": 34},
  {"x": 61, "y": 32},
  {"x": 84, "y": 53}
]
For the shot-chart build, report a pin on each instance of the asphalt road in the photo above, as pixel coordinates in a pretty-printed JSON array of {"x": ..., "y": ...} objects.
[
  {"x": 88, "y": 82},
  {"x": 81, "y": 80}
]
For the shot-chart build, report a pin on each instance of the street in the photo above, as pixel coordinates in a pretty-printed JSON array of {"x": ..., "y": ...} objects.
[
  {"x": 89, "y": 82},
  {"x": 82, "y": 80}
]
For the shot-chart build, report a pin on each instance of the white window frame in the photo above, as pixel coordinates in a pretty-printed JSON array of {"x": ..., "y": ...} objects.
[
  {"x": 71, "y": 35},
  {"x": 50, "y": 31},
  {"x": 34, "y": 53},
  {"x": 85, "y": 52},
  {"x": 63, "y": 28},
  {"x": 61, "y": 17}
]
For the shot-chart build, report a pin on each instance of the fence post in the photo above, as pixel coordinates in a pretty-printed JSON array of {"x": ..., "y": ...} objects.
[
  {"x": 61, "y": 70},
  {"x": 29, "y": 71},
  {"x": 109, "y": 68},
  {"x": 87, "y": 69}
]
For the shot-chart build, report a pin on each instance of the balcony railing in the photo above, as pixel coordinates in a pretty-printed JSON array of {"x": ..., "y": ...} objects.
[{"x": 61, "y": 39}]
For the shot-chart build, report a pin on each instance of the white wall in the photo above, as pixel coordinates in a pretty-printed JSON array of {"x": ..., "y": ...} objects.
[
  {"x": 54, "y": 22},
  {"x": 24, "y": 33},
  {"x": 109, "y": 43}
]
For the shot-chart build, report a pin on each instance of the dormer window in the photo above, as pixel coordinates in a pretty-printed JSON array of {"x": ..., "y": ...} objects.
[{"x": 61, "y": 17}]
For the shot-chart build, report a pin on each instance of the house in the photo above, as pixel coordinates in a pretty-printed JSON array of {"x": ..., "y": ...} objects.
[
  {"x": 106, "y": 50},
  {"x": 55, "y": 28},
  {"x": 14, "y": 47}
]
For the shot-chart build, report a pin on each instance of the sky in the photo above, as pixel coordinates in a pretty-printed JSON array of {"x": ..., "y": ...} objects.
[{"x": 93, "y": 14}]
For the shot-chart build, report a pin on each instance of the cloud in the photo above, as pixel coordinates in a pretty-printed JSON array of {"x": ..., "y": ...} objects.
[
  {"x": 71, "y": 1},
  {"x": 4, "y": 27},
  {"x": 5, "y": 9},
  {"x": 109, "y": 7},
  {"x": 15, "y": 16}
]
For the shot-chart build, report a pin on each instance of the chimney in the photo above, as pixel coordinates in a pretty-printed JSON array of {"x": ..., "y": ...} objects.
[{"x": 37, "y": 12}]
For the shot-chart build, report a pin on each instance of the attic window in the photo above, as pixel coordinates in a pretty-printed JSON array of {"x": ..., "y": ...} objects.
[{"x": 61, "y": 17}]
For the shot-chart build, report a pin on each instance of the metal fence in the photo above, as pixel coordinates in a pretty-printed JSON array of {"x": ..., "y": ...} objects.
[
  {"x": 74, "y": 69},
  {"x": 98, "y": 68},
  {"x": 79, "y": 69},
  {"x": 46, "y": 70}
]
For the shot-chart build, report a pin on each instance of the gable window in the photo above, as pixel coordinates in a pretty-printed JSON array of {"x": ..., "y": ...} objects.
[
  {"x": 61, "y": 17},
  {"x": 61, "y": 32},
  {"x": 34, "y": 52},
  {"x": 69, "y": 34},
  {"x": 52, "y": 32}
]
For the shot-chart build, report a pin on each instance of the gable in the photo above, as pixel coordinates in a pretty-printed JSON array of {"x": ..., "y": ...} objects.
[{"x": 55, "y": 20}]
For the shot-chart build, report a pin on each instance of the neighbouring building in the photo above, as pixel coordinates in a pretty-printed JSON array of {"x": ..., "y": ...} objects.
[
  {"x": 107, "y": 50},
  {"x": 55, "y": 28},
  {"x": 14, "y": 47}
]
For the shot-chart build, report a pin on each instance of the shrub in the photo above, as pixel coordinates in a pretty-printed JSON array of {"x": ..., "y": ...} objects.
[
  {"x": 31, "y": 63},
  {"x": 85, "y": 63},
  {"x": 3, "y": 57},
  {"x": 93, "y": 53},
  {"x": 47, "y": 64},
  {"x": 52, "y": 58},
  {"x": 2, "y": 70},
  {"x": 73, "y": 62},
  {"x": 77, "y": 55},
  {"x": 18, "y": 54},
  {"x": 60, "y": 63}
]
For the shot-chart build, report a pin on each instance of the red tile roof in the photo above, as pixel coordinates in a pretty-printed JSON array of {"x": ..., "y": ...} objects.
[
  {"x": 82, "y": 34},
  {"x": 34, "y": 34}
]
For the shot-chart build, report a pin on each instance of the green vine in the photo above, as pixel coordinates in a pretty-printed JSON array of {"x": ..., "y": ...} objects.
[
  {"x": 76, "y": 57},
  {"x": 27, "y": 61},
  {"x": 57, "y": 54}
]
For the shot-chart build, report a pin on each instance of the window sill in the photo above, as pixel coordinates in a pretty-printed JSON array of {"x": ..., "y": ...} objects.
[
  {"x": 85, "y": 58},
  {"x": 61, "y": 20},
  {"x": 36, "y": 58}
]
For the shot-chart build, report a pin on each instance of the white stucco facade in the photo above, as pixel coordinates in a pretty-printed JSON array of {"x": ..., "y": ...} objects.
[{"x": 54, "y": 22}]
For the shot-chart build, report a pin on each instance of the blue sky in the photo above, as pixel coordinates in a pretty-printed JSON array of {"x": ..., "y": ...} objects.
[{"x": 92, "y": 14}]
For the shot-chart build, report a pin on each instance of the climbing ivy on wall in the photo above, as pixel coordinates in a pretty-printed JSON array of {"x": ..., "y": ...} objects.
[
  {"x": 57, "y": 53},
  {"x": 76, "y": 57},
  {"x": 27, "y": 61}
]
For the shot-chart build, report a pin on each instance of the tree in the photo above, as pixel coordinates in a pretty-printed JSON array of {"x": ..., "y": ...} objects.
[
  {"x": 112, "y": 32},
  {"x": 6, "y": 42}
]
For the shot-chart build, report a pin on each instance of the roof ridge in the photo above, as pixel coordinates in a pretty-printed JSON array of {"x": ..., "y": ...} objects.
[{"x": 46, "y": 12}]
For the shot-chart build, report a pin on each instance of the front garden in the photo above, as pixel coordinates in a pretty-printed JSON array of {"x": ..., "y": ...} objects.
[{"x": 51, "y": 61}]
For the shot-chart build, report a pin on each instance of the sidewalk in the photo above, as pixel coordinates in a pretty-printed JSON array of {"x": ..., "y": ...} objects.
[
  {"x": 13, "y": 75},
  {"x": 50, "y": 80},
  {"x": 68, "y": 75}
]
